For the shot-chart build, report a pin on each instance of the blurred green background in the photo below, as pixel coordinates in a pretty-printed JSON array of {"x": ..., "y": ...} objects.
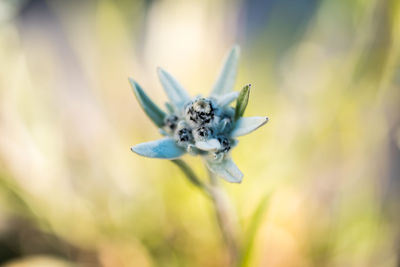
[{"x": 326, "y": 73}]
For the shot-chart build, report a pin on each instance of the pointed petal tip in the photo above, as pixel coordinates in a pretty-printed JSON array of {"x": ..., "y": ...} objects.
[
  {"x": 229, "y": 178},
  {"x": 266, "y": 119},
  {"x": 132, "y": 82},
  {"x": 135, "y": 86},
  {"x": 238, "y": 181},
  {"x": 134, "y": 150},
  {"x": 161, "y": 72}
]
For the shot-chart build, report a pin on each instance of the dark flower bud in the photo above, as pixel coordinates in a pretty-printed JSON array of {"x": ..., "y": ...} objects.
[
  {"x": 199, "y": 112},
  {"x": 183, "y": 134},
  {"x": 202, "y": 133},
  {"x": 225, "y": 143},
  {"x": 171, "y": 122}
]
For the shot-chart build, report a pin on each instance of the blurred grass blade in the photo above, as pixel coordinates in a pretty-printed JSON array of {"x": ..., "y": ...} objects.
[
  {"x": 227, "y": 76},
  {"x": 251, "y": 232},
  {"x": 151, "y": 109},
  {"x": 175, "y": 92},
  {"x": 241, "y": 102}
]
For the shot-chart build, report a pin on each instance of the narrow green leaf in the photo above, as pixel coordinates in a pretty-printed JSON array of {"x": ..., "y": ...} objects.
[
  {"x": 254, "y": 225},
  {"x": 241, "y": 101},
  {"x": 151, "y": 109}
]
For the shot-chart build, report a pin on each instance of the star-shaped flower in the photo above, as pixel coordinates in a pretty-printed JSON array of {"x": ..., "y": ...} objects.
[{"x": 205, "y": 126}]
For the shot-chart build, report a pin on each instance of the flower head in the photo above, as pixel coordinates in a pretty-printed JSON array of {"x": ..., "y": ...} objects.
[{"x": 205, "y": 126}]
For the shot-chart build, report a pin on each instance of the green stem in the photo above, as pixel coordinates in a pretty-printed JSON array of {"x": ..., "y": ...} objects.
[
  {"x": 192, "y": 177},
  {"x": 226, "y": 219},
  {"x": 223, "y": 210}
]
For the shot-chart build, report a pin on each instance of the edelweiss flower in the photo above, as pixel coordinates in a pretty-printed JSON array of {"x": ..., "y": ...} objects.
[{"x": 205, "y": 126}]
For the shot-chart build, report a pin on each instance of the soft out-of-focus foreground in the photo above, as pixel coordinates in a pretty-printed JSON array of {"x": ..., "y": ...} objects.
[{"x": 327, "y": 164}]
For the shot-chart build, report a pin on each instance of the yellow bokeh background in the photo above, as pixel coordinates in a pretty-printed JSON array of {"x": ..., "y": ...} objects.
[{"x": 326, "y": 73}]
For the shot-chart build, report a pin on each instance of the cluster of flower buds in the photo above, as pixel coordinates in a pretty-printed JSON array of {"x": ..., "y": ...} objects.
[{"x": 204, "y": 123}]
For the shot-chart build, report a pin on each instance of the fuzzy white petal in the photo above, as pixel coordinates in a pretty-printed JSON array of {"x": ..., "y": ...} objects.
[
  {"x": 248, "y": 124},
  {"x": 227, "y": 76},
  {"x": 175, "y": 92},
  {"x": 227, "y": 169}
]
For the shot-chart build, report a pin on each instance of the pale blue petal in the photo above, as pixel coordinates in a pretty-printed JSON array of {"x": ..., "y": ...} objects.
[
  {"x": 171, "y": 109},
  {"x": 208, "y": 145},
  {"x": 151, "y": 109},
  {"x": 162, "y": 132},
  {"x": 165, "y": 148},
  {"x": 227, "y": 169},
  {"x": 227, "y": 76},
  {"x": 175, "y": 92},
  {"x": 246, "y": 125},
  {"x": 226, "y": 99}
]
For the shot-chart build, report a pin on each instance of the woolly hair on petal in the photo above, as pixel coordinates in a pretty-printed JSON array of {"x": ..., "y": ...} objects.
[{"x": 165, "y": 148}]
